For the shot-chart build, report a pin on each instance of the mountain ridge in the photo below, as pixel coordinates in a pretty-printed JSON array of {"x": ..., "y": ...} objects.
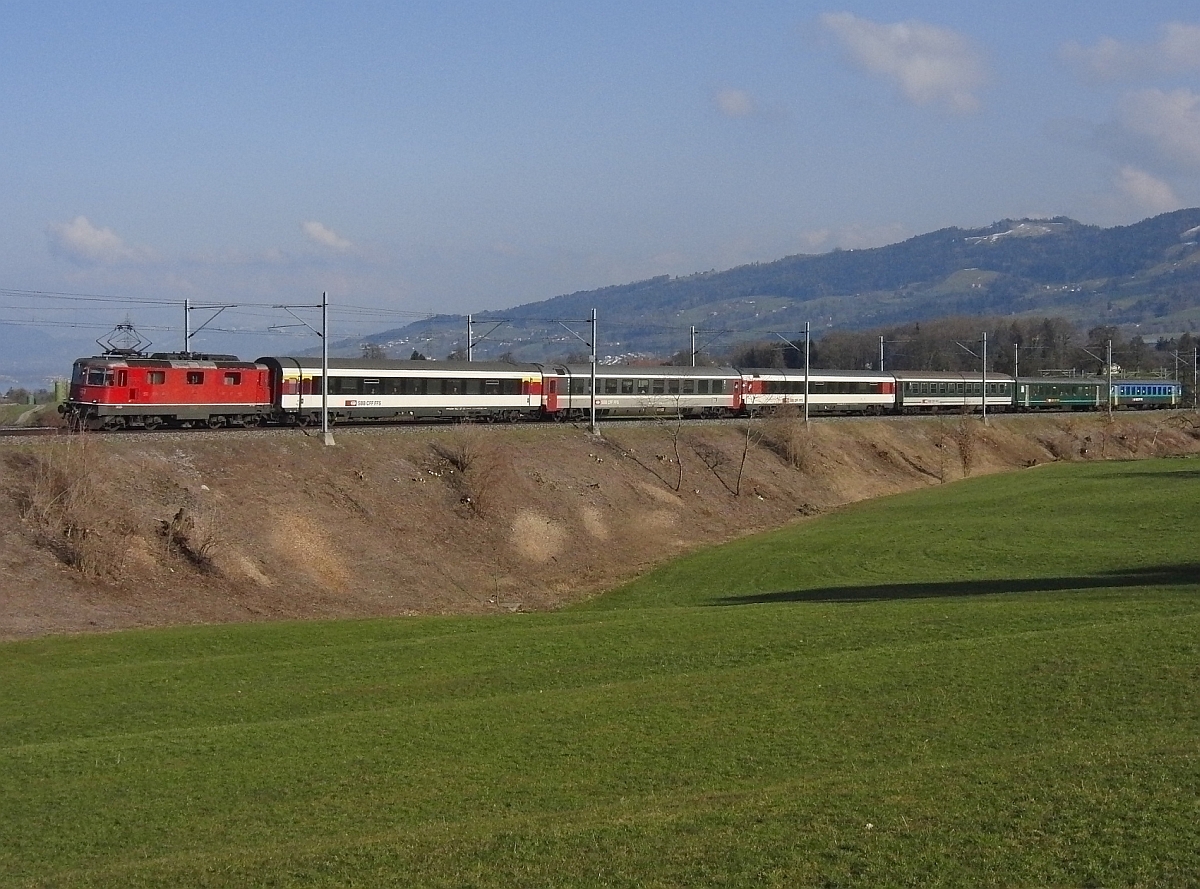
[{"x": 1145, "y": 275}]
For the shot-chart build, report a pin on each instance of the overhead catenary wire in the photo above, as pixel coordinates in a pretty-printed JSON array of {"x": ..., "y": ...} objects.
[{"x": 342, "y": 312}]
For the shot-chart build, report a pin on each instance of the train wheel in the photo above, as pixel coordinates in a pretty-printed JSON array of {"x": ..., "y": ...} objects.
[
  {"x": 151, "y": 422},
  {"x": 111, "y": 424},
  {"x": 214, "y": 421},
  {"x": 251, "y": 420}
]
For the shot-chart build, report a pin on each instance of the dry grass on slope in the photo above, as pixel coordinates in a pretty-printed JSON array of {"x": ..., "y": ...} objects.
[{"x": 122, "y": 531}]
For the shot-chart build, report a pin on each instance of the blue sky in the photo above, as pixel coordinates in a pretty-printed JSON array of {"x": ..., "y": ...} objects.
[{"x": 454, "y": 157}]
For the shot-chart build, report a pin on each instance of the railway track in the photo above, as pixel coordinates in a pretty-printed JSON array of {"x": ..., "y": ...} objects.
[{"x": 28, "y": 431}]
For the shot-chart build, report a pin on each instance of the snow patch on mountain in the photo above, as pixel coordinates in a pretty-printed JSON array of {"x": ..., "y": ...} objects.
[{"x": 1025, "y": 229}]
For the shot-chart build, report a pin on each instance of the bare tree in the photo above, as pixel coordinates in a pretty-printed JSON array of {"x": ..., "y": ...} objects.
[
  {"x": 715, "y": 458},
  {"x": 965, "y": 437}
]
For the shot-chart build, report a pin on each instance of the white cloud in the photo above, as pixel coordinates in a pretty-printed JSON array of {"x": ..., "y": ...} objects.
[
  {"x": 735, "y": 103},
  {"x": 82, "y": 242},
  {"x": 929, "y": 65},
  {"x": 1148, "y": 193},
  {"x": 1166, "y": 122},
  {"x": 326, "y": 237},
  {"x": 1176, "y": 51}
]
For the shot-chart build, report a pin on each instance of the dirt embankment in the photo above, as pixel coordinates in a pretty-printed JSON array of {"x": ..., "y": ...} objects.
[{"x": 152, "y": 530}]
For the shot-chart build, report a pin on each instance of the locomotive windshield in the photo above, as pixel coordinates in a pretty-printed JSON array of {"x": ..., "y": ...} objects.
[{"x": 87, "y": 375}]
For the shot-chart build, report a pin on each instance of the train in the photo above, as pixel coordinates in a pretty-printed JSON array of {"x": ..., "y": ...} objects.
[{"x": 191, "y": 390}]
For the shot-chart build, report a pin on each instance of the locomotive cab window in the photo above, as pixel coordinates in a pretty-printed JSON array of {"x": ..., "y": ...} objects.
[
  {"x": 233, "y": 378},
  {"x": 99, "y": 376}
]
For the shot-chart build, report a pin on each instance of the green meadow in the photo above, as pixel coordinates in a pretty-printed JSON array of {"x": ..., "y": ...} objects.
[{"x": 991, "y": 683}]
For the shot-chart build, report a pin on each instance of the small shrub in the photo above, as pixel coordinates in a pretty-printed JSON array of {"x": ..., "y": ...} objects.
[
  {"x": 472, "y": 465},
  {"x": 194, "y": 533},
  {"x": 461, "y": 451},
  {"x": 785, "y": 434}
]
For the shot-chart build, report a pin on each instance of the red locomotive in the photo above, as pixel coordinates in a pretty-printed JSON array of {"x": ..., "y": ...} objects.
[{"x": 181, "y": 389}]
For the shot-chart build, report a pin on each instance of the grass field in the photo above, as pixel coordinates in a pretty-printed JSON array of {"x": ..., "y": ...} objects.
[{"x": 991, "y": 683}]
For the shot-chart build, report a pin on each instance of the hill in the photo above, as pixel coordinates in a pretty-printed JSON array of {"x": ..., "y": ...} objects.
[
  {"x": 209, "y": 527},
  {"x": 1144, "y": 276}
]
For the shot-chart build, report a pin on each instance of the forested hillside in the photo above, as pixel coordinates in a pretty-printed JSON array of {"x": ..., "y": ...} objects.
[{"x": 1142, "y": 278}]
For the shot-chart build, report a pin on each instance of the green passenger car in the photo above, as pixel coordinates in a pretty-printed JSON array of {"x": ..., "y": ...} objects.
[{"x": 1059, "y": 393}]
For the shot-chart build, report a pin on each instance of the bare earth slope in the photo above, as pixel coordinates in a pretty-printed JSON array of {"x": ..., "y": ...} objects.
[{"x": 102, "y": 533}]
